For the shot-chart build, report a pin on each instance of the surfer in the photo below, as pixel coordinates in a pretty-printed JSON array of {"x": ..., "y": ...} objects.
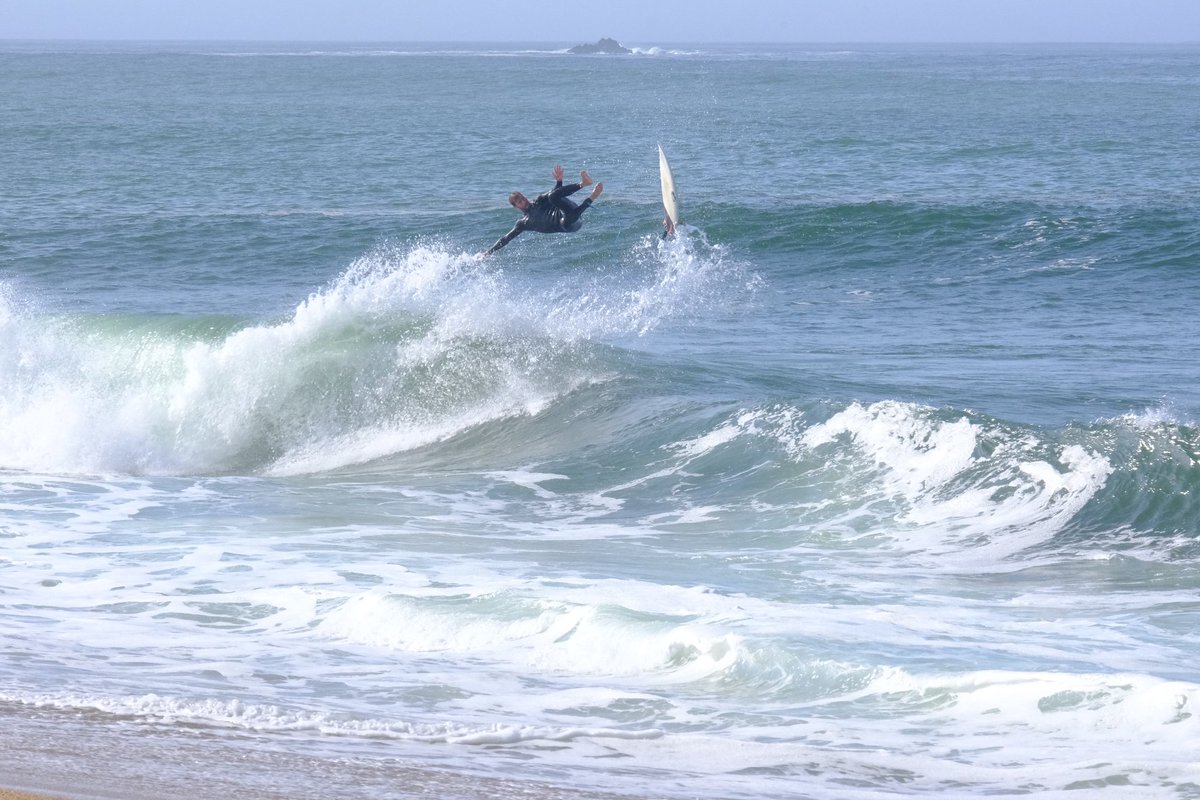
[{"x": 549, "y": 212}]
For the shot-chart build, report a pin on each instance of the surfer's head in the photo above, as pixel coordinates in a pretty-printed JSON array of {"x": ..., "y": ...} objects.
[{"x": 518, "y": 201}]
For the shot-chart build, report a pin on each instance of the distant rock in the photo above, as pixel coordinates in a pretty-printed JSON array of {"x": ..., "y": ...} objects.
[{"x": 603, "y": 46}]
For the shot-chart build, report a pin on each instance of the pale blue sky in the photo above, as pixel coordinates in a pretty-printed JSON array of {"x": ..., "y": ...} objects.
[{"x": 637, "y": 22}]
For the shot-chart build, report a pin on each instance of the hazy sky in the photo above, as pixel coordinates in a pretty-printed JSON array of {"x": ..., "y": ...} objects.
[{"x": 637, "y": 22}]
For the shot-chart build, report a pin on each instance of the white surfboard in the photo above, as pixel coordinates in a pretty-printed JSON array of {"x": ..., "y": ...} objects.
[{"x": 669, "y": 196}]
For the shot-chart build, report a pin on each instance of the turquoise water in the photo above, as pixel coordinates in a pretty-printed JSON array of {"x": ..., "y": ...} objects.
[{"x": 879, "y": 480}]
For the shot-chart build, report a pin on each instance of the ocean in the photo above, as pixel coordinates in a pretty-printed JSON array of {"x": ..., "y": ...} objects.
[{"x": 881, "y": 479}]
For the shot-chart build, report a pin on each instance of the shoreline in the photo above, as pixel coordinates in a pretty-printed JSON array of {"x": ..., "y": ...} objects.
[{"x": 49, "y": 754}]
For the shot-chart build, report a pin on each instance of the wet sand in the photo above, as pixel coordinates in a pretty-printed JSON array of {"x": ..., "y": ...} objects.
[{"x": 52, "y": 755}]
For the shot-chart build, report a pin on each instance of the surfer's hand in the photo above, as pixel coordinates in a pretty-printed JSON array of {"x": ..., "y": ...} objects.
[
  {"x": 598, "y": 190},
  {"x": 558, "y": 172}
]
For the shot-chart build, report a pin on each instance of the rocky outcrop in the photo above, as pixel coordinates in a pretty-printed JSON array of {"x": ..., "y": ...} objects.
[{"x": 602, "y": 46}]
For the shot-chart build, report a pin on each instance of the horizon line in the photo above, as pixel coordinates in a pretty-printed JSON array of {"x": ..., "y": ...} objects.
[{"x": 222, "y": 40}]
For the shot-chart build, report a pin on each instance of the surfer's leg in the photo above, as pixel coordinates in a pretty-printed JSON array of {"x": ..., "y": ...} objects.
[
  {"x": 571, "y": 212},
  {"x": 568, "y": 214},
  {"x": 571, "y": 222}
]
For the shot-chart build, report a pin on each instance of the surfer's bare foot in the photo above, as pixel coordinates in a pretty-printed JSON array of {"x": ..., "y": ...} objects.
[
  {"x": 584, "y": 179},
  {"x": 596, "y": 192}
]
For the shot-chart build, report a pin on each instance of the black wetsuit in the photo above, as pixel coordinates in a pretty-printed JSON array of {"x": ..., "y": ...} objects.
[{"x": 551, "y": 212}]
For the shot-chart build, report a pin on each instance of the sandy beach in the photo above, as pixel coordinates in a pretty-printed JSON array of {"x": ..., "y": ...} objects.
[{"x": 52, "y": 755}]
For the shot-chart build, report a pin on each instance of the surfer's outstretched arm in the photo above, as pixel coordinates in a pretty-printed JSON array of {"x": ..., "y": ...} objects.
[{"x": 517, "y": 230}]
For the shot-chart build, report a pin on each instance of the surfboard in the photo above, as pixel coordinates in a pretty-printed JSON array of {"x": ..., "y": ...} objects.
[{"x": 669, "y": 197}]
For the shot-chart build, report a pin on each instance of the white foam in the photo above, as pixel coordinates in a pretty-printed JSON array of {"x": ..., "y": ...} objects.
[
  {"x": 551, "y": 636},
  {"x": 238, "y": 714},
  {"x": 918, "y": 454},
  {"x": 1111, "y": 713},
  {"x": 1152, "y": 418},
  {"x": 722, "y": 435},
  {"x": 952, "y": 499}
]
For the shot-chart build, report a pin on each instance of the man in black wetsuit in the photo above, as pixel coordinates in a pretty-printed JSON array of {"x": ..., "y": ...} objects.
[{"x": 550, "y": 212}]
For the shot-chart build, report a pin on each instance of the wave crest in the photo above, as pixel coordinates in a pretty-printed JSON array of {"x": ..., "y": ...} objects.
[{"x": 412, "y": 344}]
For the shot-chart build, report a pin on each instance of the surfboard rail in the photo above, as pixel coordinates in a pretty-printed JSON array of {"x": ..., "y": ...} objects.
[{"x": 670, "y": 196}]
